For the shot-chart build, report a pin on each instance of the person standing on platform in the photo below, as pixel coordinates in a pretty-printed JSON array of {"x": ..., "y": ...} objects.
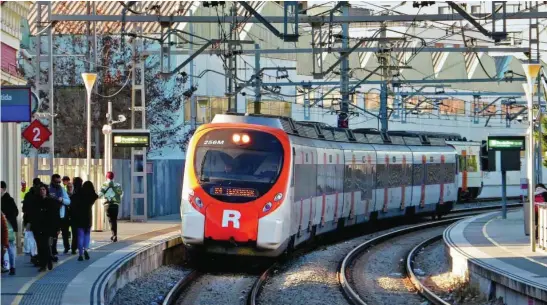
[
  {"x": 9, "y": 208},
  {"x": 74, "y": 233},
  {"x": 30, "y": 202},
  {"x": 24, "y": 189},
  {"x": 58, "y": 193},
  {"x": 112, "y": 192},
  {"x": 66, "y": 181},
  {"x": 82, "y": 203},
  {"x": 44, "y": 223}
]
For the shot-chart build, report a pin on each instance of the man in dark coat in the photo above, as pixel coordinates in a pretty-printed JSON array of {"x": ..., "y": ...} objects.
[
  {"x": 29, "y": 206},
  {"x": 45, "y": 224},
  {"x": 30, "y": 198},
  {"x": 9, "y": 208}
]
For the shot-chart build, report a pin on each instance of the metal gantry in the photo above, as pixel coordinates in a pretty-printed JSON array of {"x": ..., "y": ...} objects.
[
  {"x": 44, "y": 85},
  {"x": 139, "y": 198}
]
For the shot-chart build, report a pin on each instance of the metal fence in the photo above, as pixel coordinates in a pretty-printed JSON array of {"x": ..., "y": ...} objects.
[
  {"x": 542, "y": 225},
  {"x": 164, "y": 185},
  {"x": 64, "y": 167}
]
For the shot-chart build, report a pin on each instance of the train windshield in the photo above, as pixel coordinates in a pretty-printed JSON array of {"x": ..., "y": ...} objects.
[{"x": 238, "y": 166}]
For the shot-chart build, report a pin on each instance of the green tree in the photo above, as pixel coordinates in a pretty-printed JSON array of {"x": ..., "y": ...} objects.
[{"x": 543, "y": 140}]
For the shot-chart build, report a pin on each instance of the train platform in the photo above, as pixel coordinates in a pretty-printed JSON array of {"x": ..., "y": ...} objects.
[
  {"x": 496, "y": 256},
  {"x": 80, "y": 282}
]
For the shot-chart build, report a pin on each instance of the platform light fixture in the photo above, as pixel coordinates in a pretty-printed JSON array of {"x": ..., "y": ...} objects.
[
  {"x": 89, "y": 81},
  {"x": 531, "y": 71}
]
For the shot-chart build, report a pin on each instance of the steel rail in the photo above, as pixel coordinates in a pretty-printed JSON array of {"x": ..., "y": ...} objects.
[
  {"x": 255, "y": 290},
  {"x": 424, "y": 291},
  {"x": 175, "y": 292},
  {"x": 350, "y": 293}
]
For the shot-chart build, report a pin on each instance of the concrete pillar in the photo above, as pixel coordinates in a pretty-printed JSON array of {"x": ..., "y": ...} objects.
[{"x": 10, "y": 168}]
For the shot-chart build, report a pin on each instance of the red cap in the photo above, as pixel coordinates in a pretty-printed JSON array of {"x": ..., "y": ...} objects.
[{"x": 110, "y": 175}]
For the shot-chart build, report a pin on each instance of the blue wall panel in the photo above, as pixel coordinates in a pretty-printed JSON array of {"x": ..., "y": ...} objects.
[{"x": 164, "y": 186}]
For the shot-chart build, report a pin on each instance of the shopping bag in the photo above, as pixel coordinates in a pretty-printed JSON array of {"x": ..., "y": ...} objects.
[
  {"x": 5, "y": 260},
  {"x": 30, "y": 246}
]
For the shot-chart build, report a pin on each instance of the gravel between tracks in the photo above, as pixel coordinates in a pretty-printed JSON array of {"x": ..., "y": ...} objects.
[
  {"x": 433, "y": 261},
  {"x": 218, "y": 289},
  {"x": 151, "y": 288},
  {"x": 378, "y": 275},
  {"x": 312, "y": 278}
]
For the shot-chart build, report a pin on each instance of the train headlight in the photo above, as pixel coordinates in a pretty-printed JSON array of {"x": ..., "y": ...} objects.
[
  {"x": 198, "y": 202},
  {"x": 278, "y": 197},
  {"x": 267, "y": 207},
  {"x": 241, "y": 138}
]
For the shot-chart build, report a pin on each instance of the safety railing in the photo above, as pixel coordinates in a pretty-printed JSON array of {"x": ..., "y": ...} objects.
[{"x": 542, "y": 225}]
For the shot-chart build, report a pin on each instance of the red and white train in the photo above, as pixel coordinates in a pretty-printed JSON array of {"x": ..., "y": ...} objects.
[{"x": 261, "y": 185}]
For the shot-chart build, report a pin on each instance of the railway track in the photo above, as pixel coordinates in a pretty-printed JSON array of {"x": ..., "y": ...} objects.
[
  {"x": 206, "y": 288},
  {"x": 395, "y": 282},
  {"x": 418, "y": 285},
  {"x": 244, "y": 288}
]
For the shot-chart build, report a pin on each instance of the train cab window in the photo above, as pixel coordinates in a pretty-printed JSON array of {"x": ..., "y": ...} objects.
[{"x": 238, "y": 172}]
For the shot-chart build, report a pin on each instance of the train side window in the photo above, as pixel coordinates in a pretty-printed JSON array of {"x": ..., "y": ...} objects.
[
  {"x": 306, "y": 157},
  {"x": 330, "y": 158}
]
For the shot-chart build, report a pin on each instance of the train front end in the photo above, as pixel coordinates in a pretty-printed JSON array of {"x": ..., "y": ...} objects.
[{"x": 235, "y": 183}]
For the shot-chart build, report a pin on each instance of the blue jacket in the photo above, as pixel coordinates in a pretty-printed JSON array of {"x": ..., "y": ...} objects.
[{"x": 60, "y": 193}]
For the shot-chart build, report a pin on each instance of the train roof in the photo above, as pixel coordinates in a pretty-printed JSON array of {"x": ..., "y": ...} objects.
[{"x": 322, "y": 131}]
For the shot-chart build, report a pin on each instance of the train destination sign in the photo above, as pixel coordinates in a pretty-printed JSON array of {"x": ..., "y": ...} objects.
[
  {"x": 130, "y": 138},
  {"x": 506, "y": 143}
]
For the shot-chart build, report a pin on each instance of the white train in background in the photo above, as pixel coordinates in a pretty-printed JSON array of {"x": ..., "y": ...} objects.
[{"x": 468, "y": 153}]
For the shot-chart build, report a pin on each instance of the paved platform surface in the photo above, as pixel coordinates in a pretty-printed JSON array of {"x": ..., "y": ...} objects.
[
  {"x": 500, "y": 246},
  {"x": 70, "y": 277}
]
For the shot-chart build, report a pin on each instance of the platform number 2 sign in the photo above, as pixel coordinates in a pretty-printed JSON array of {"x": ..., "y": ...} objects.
[{"x": 36, "y": 133}]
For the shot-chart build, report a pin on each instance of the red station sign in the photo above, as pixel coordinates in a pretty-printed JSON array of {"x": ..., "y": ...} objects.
[{"x": 36, "y": 133}]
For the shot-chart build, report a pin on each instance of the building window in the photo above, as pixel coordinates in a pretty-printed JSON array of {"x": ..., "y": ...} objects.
[
  {"x": 301, "y": 96},
  {"x": 9, "y": 59},
  {"x": 488, "y": 110},
  {"x": 417, "y": 105},
  {"x": 475, "y": 9},
  {"x": 444, "y": 10},
  {"x": 372, "y": 101},
  {"x": 511, "y": 109},
  {"x": 271, "y": 107},
  {"x": 452, "y": 106},
  {"x": 207, "y": 108}
]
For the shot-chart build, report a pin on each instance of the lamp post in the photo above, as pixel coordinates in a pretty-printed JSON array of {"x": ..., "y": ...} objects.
[
  {"x": 89, "y": 81},
  {"x": 531, "y": 71}
]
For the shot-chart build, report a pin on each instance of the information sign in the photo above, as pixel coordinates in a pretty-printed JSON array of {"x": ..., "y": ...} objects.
[
  {"x": 16, "y": 102},
  {"x": 130, "y": 138},
  {"x": 506, "y": 143}
]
